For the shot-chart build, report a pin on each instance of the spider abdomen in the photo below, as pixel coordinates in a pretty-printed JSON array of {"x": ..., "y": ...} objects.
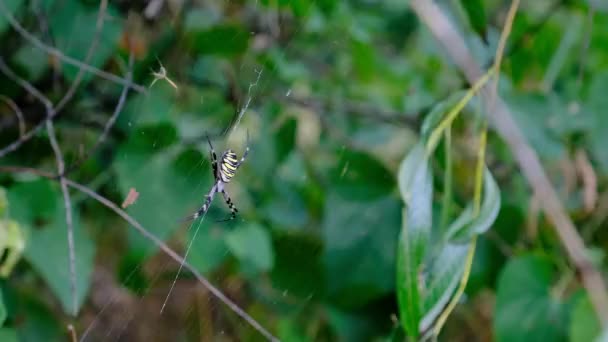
[{"x": 228, "y": 166}]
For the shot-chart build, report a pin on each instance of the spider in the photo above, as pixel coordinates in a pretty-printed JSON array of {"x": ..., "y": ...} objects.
[{"x": 222, "y": 175}]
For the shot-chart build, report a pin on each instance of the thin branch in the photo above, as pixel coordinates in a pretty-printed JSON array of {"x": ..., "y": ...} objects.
[
  {"x": 156, "y": 241},
  {"x": 68, "y": 213},
  {"x": 110, "y": 122},
  {"x": 103, "y": 6},
  {"x": 67, "y": 59},
  {"x": 60, "y": 168},
  {"x": 528, "y": 160},
  {"x": 17, "y": 111}
]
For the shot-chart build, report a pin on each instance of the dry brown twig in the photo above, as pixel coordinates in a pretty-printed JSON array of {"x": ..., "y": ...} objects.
[{"x": 528, "y": 160}]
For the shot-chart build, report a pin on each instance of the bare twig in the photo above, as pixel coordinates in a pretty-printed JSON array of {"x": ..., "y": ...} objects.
[
  {"x": 103, "y": 6},
  {"x": 68, "y": 213},
  {"x": 589, "y": 179},
  {"x": 110, "y": 122},
  {"x": 67, "y": 59},
  {"x": 17, "y": 111},
  {"x": 528, "y": 160},
  {"x": 60, "y": 168},
  {"x": 173, "y": 255},
  {"x": 156, "y": 241}
]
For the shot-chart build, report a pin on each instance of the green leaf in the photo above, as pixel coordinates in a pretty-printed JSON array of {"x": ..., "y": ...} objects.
[
  {"x": 584, "y": 325},
  {"x": 360, "y": 241},
  {"x": 415, "y": 184},
  {"x": 170, "y": 187},
  {"x": 477, "y": 17},
  {"x": 3, "y": 202},
  {"x": 208, "y": 250},
  {"x": 74, "y": 28},
  {"x": 597, "y": 103},
  {"x": 47, "y": 248},
  {"x": 302, "y": 252},
  {"x": 2, "y": 310},
  {"x": 226, "y": 40},
  {"x": 12, "y": 244},
  {"x": 8, "y": 335},
  {"x": 38, "y": 322},
  {"x": 11, "y": 6},
  {"x": 526, "y": 309},
  {"x": 434, "y": 117},
  {"x": 359, "y": 177},
  {"x": 442, "y": 276},
  {"x": 252, "y": 245},
  {"x": 466, "y": 225}
]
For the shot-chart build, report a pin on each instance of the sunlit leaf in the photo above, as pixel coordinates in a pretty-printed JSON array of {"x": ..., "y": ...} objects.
[
  {"x": 415, "y": 183},
  {"x": 434, "y": 117},
  {"x": 584, "y": 325},
  {"x": 467, "y": 225},
  {"x": 442, "y": 276},
  {"x": 526, "y": 309}
]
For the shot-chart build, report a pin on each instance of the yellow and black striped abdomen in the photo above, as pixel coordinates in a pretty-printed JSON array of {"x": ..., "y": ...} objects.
[{"x": 228, "y": 166}]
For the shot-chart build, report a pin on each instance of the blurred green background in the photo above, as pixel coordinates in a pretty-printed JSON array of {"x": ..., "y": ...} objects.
[{"x": 333, "y": 95}]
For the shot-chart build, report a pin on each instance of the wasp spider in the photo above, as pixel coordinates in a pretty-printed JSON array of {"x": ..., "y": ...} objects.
[{"x": 223, "y": 173}]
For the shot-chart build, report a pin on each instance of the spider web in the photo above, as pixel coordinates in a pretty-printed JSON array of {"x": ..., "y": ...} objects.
[{"x": 131, "y": 309}]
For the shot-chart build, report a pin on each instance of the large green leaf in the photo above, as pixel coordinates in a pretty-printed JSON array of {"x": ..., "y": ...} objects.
[
  {"x": 73, "y": 26},
  {"x": 8, "y": 335},
  {"x": 39, "y": 206},
  {"x": 415, "y": 183},
  {"x": 360, "y": 240},
  {"x": 252, "y": 245},
  {"x": 11, "y": 6},
  {"x": 584, "y": 325},
  {"x": 2, "y": 309},
  {"x": 526, "y": 309},
  {"x": 301, "y": 252},
  {"x": 358, "y": 176},
  {"x": 467, "y": 225},
  {"x": 170, "y": 186},
  {"x": 442, "y": 275},
  {"x": 209, "y": 249}
]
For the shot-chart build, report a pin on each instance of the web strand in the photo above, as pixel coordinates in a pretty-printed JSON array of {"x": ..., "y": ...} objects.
[{"x": 200, "y": 223}]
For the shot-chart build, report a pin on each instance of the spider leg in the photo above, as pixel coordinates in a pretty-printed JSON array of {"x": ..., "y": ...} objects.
[
  {"x": 204, "y": 208},
  {"x": 213, "y": 158},
  {"x": 233, "y": 209}
]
